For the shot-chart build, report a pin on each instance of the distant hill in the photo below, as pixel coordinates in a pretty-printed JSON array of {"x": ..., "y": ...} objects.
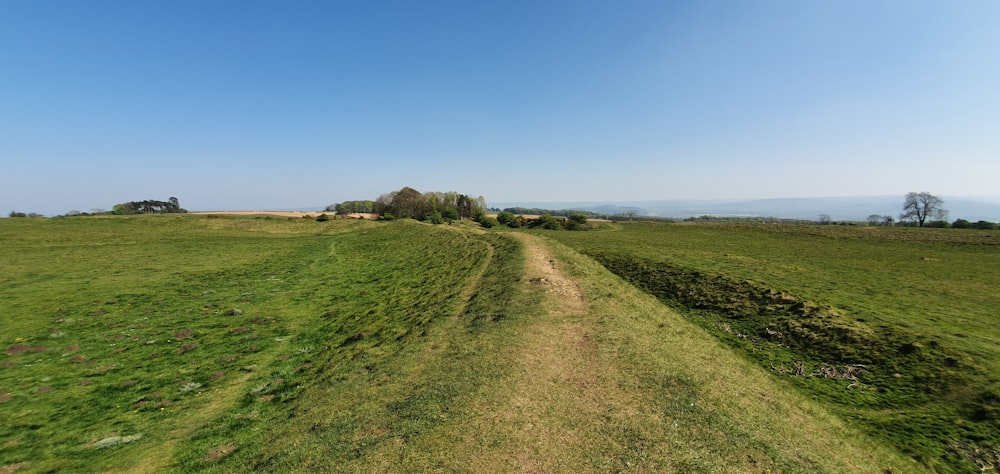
[{"x": 838, "y": 208}]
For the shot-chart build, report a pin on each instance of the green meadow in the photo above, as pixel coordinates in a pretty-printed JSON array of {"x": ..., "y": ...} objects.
[
  {"x": 221, "y": 344},
  {"x": 893, "y": 328}
]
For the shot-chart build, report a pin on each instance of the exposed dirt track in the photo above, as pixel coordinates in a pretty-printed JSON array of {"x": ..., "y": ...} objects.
[{"x": 561, "y": 384}]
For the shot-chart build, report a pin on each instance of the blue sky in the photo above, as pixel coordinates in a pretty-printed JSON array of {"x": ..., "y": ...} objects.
[{"x": 253, "y": 104}]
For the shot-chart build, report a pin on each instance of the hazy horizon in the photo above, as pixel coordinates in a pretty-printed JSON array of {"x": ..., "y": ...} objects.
[{"x": 246, "y": 105}]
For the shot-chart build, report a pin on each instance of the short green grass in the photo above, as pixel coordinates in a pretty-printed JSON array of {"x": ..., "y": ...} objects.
[
  {"x": 176, "y": 343},
  {"x": 915, "y": 307},
  {"x": 179, "y": 343},
  {"x": 119, "y": 332},
  {"x": 397, "y": 352}
]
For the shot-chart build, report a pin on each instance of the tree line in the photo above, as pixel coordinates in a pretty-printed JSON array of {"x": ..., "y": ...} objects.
[
  {"x": 446, "y": 207},
  {"x": 149, "y": 206},
  {"x": 575, "y": 221},
  {"x": 922, "y": 209},
  {"x": 436, "y": 207},
  {"x": 352, "y": 207},
  {"x": 408, "y": 203}
]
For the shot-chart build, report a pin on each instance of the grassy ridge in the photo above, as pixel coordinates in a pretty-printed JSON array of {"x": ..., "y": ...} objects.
[
  {"x": 893, "y": 326},
  {"x": 693, "y": 405},
  {"x": 383, "y": 377}
]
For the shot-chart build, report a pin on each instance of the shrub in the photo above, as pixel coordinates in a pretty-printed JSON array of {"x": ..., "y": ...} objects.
[
  {"x": 505, "y": 217},
  {"x": 985, "y": 225},
  {"x": 450, "y": 215},
  {"x": 322, "y": 218},
  {"x": 488, "y": 222},
  {"x": 546, "y": 221},
  {"x": 478, "y": 215},
  {"x": 961, "y": 224},
  {"x": 576, "y": 221}
]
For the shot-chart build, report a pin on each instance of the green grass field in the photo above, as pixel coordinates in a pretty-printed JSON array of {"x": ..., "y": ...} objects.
[
  {"x": 894, "y": 328},
  {"x": 181, "y": 343}
]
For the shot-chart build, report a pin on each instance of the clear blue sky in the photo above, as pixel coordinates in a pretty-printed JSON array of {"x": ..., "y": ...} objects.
[{"x": 253, "y": 104}]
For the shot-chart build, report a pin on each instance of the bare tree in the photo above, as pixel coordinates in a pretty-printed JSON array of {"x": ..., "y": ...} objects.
[
  {"x": 824, "y": 219},
  {"x": 921, "y": 206}
]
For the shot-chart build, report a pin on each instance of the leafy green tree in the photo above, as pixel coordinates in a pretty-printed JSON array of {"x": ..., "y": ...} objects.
[
  {"x": 435, "y": 218},
  {"x": 450, "y": 214}
]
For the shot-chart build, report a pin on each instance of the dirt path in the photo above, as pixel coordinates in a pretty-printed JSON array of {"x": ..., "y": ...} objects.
[{"x": 560, "y": 387}]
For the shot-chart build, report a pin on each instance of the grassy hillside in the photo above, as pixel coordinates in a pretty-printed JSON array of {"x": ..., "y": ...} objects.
[
  {"x": 895, "y": 328},
  {"x": 233, "y": 344}
]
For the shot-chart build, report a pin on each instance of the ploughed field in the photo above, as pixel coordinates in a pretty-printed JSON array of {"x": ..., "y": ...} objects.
[{"x": 206, "y": 343}]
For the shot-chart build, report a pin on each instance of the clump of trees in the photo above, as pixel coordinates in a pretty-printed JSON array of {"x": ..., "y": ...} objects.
[
  {"x": 22, "y": 214},
  {"x": 982, "y": 225},
  {"x": 149, "y": 206},
  {"x": 546, "y": 221},
  {"x": 441, "y": 208},
  {"x": 352, "y": 207},
  {"x": 552, "y": 212},
  {"x": 878, "y": 219},
  {"x": 437, "y": 207}
]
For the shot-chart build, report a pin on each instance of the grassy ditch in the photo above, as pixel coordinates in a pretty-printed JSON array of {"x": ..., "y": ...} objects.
[{"x": 933, "y": 397}]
